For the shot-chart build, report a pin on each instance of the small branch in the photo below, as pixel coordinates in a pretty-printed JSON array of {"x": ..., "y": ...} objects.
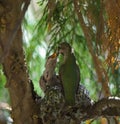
[
  {"x": 53, "y": 106},
  {"x": 107, "y": 106},
  {"x": 101, "y": 73}
]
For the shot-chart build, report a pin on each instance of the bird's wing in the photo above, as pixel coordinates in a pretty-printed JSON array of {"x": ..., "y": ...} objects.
[{"x": 61, "y": 71}]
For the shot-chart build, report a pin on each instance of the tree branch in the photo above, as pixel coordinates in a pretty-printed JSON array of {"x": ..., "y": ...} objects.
[
  {"x": 101, "y": 73},
  {"x": 52, "y": 106}
]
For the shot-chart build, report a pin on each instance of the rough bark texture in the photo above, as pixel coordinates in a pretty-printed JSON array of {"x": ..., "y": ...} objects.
[{"x": 12, "y": 58}]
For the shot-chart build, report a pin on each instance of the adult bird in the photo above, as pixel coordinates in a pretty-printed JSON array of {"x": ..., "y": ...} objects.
[{"x": 69, "y": 73}]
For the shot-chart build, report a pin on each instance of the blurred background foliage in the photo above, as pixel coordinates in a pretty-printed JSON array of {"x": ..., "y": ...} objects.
[
  {"x": 47, "y": 23},
  {"x": 43, "y": 33}
]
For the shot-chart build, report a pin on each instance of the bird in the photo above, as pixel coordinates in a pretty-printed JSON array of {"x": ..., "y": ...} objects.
[
  {"x": 49, "y": 77},
  {"x": 50, "y": 66},
  {"x": 69, "y": 73}
]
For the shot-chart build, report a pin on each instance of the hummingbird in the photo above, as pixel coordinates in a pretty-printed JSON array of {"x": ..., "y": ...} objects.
[{"x": 69, "y": 73}]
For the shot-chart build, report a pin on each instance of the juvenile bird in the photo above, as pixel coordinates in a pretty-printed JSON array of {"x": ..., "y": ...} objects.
[
  {"x": 69, "y": 73},
  {"x": 49, "y": 77}
]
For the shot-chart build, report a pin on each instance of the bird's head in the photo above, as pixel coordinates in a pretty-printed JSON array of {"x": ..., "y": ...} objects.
[
  {"x": 64, "y": 48},
  {"x": 51, "y": 60},
  {"x": 54, "y": 55}
]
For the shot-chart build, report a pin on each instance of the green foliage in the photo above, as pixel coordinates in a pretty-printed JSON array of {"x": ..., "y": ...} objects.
[
  {"x": 58, "y": 22},
  {"x": 4, "y": 96},
  {"x": 63, "y": 25},
  {"x": 53, "y": 23},
  {"x": 34, "y": 49}
]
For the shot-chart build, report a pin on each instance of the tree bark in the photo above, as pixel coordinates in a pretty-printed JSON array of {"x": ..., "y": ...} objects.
[{"x": 12, "y": 59}]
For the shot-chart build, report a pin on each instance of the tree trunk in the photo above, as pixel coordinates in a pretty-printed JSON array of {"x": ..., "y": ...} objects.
[{"x": 12, "y": 58}]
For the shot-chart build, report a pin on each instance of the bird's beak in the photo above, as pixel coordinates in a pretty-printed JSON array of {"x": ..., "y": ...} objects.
[{"x": 54, "y": 55}]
